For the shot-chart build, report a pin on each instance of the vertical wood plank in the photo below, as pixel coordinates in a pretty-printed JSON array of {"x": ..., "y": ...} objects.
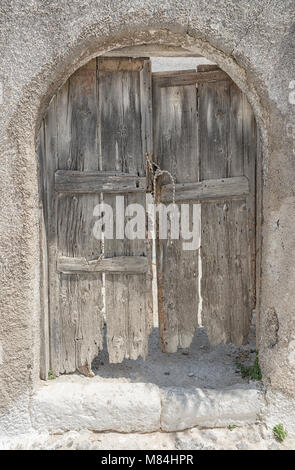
[
  {"x": 80, "y": 294},
  {"x": 213, "y": 128},
  {"x": 225, "y": 272},
  {"x": 226, "y": 227},
  {"x": 239, "y": 273},
  {"x": 145, "y": 78},
  {"x": 44, "y": 320},
  {"x": 242, "y": 155},
  {"x": 176, "y": 150},
  {"x": 215, "y": 288},
  {"x": 236, "y": 134},
  {"x": 51, "y": 162},
  {"x": 250, "y": 156},
  {"x": 258, "y": 241},
  {"x": 214, "y": 125},
  {"x": 77, "y": 121},
  {"x": 125, "y": 133}
]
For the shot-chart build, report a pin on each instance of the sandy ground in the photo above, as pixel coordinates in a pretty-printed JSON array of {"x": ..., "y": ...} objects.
[{"x": 200, "y": 366}]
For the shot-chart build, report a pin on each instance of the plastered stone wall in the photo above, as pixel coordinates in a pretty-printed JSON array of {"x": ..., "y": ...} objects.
[{"x": 41, "y": 44}]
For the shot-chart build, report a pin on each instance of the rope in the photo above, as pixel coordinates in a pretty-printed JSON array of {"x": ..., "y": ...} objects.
[{"x": 156, "y": 173}]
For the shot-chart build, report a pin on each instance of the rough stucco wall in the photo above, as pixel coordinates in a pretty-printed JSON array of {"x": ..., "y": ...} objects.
[{"x": 42, "y": 43}]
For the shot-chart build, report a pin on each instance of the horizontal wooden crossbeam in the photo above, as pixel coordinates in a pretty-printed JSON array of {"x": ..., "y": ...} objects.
[
  {"x": 187, "y": 77},
  {"x": 98, "y": 181},
  {"x": 115, "y": 265},
  {"x": 225, "y": 188}
]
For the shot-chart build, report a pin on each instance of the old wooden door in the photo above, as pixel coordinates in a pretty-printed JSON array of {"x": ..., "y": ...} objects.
[
  {"x": 205, "y": 136},
  {"x": 93, "y": 145}
]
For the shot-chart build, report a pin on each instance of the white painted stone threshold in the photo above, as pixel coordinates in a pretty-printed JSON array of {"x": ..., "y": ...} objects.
[{"x": 76, "y": 403}]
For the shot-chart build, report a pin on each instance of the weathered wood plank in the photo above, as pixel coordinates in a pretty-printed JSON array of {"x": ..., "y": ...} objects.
[
  {"x": 118, "y": 264},
  {"x": 145, "y": 78},
  {"x": 77, "y": 121},
  {"x": 187, "y": 77},
  {"x": 226, "y": 277},
  {"x": 225, "y": 188},
  {"x": 81, "y": 321},
  {"x": 176, "y": 150},
  {"x": 127, "y": 339},
  {"x": 178, "y": 294},
  {"x": 213, "y": 104},
  {"x": 215, "y": 288},
  {"x": 80, "y": 295},
  {"x": 243, "y": 138},
  {"x": 251, "y": 149},
  {"x": 50, "y": 201},
  {"x": 124, "y": 139},
  {"x": 98, "y": 182},
  {"x": 173, "y": 73},
  {"x": 44, "y": 321},
  {"x": 117, "y": 300},
  {"x": 235, "y": 137},
  {"x": 75, "y": 239},
  {"x": 258, "y": 237},
  {"x": 225, "y": 273},
  {"x": 240, "y": 277},
  {"x": 121, "y": 64}
]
